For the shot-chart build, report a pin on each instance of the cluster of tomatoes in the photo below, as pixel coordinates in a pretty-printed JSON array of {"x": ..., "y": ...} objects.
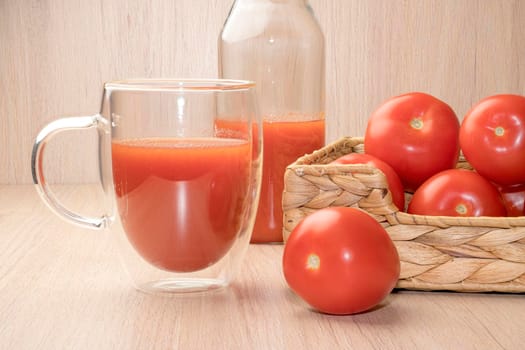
[
  {"x": 341, "y": 261},
  {"x": 416, "y": 140}
]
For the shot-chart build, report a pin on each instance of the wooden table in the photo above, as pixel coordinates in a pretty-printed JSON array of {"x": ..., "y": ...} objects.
[{"x": 62, "y": 287}]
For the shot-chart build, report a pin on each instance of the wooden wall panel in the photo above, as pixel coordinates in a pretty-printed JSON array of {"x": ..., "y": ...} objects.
[{"x": 55, "y": 56}]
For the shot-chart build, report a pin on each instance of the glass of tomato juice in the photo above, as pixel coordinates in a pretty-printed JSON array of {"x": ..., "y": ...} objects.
[{"x": 180, "y": 166}]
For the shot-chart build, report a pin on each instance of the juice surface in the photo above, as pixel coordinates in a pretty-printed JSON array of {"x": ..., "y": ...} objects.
[
  {"x": 284, "y": 142},
  {"x": 181, "y": 202}
]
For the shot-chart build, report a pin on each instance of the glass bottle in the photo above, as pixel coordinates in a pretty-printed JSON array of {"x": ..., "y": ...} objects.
[{"x": 279, "y": 45}]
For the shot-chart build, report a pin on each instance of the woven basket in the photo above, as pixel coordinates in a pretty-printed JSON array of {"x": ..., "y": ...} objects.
[{"x": 473, "y": 254}]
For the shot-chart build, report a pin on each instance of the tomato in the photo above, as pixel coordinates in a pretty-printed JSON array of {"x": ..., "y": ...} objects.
[
  {"x": 492, "y": 137},
  {"x": 394, "y": 183},
  {"x": 514, "y": 199},
  {"x": 457, "y": 192},
  {"x": 416, "y": 134},
  {"x": 340, "y": 261}
]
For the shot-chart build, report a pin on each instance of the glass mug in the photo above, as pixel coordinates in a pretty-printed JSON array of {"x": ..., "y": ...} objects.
[{"x": 180, "y": 166}]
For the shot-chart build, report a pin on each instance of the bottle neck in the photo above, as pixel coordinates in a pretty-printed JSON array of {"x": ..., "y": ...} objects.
[{"x": 289, "y": 2}]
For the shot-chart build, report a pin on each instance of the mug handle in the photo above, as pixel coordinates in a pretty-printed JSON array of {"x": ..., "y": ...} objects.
[{"x": 37, "y": 156}]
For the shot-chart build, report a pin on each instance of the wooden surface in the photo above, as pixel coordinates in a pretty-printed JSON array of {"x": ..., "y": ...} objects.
[
  {"x": 62, "y": 287},
  {"x": 55, "y": 56}
]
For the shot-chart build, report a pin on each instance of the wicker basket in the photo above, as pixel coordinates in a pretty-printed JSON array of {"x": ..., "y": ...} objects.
[{"x": 482, "y": 254}]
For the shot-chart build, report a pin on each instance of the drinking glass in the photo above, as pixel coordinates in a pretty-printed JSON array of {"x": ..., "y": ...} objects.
[{"x": 180, "y": 164}]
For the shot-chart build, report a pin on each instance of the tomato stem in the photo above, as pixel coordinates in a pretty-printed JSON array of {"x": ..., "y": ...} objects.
[
  {"x": 313, "y": 262},
  {"x": 416, "y": 123},
  {"x": 499, "y": 131},
  {"x": 461, "y": 209}
]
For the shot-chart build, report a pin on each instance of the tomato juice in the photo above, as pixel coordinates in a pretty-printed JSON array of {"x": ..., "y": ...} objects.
[
  {"x": 283, "y": 142},
  {"x": 181, "y": 201}
]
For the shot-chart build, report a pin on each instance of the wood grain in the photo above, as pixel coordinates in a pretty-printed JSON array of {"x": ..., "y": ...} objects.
[
  {"x": 55, "y": 56},
  {"x": 62, "y": 287}
]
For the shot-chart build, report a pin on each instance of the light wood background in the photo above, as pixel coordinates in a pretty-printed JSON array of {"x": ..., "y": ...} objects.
[{"x": 55, "y": 56}]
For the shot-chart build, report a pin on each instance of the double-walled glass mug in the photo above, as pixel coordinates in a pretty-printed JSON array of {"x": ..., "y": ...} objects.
[{"x": 180, "y": 164}]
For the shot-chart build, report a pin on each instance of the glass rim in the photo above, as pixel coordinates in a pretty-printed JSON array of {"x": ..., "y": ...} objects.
[{"x": 203, "y": 85}]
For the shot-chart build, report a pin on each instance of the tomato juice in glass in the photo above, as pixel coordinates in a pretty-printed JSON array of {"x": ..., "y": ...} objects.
[
  {"x": 179, "y": 162},
  {"x": 181, "y": 201},
  {"x": 283, "y": 143}
]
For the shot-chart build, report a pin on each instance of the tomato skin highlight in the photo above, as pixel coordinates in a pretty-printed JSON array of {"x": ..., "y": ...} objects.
[
  {"x": 394, "y": 182},
  {"x": 416, "y": 134},
  {"x": 340, "y": 261},
  {"x": 492, "y": 137},
  {"x": 457, "y": 192}
]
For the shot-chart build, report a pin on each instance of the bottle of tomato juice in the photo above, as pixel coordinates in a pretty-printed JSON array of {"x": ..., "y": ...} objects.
[{"x": 279, "y": 45}]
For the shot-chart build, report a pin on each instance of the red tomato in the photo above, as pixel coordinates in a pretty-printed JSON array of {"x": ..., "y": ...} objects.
[
  {"x": 416, "y": 134},
  {"x": 457, "y": 192},
  {"x": 394, "y": 183},
  {"x": 492, "y": 137},
  {"x": 340, "y": 261},
  {"x": 514, "y": 199}
]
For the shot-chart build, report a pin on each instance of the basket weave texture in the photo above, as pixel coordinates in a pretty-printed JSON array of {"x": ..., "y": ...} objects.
[{"x": 465, "y": 254}]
